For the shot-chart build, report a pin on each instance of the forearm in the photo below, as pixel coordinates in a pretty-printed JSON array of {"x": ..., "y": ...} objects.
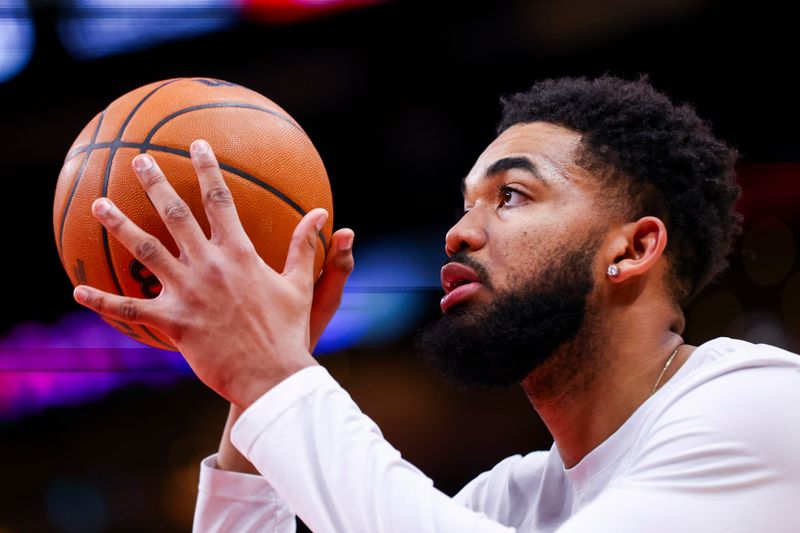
[
  {"x": 233, "y": 496},
  {"x": 229, "y": 457},
  {"x": 332, "y": 466}
]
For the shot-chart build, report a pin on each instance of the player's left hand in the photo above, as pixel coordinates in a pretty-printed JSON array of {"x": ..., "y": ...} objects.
[{"x": 242, "y": 326}]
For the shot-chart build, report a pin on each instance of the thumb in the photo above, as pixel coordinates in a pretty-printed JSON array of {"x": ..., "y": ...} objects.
[
  {"x": 330, "y": 285},
  {"x": 303, "y": 247}
]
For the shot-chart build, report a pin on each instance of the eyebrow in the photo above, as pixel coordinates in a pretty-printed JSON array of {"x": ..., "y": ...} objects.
[{"x": 510, "y": 163}]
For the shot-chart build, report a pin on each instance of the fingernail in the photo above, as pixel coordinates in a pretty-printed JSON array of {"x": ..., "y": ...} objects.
[
  {"x": 80, "y": 294},
  {"x": 347, "y": 244},
  {"x": 200, "y": 147},
  {"x": 321, "y": 220},
  {"x": 142, "y": 162},
  {"x": 102, "y": 206}
]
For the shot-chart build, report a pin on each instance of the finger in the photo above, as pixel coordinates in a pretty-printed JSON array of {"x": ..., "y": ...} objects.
[
  {"x": 217, "y": 198},
  {"x": 330, "y": 286},
  {"x": 144, "y": 247},
  {"x": 303, "y": 247},
  {"x": 121, "y": 308},
  {"x": 173, "y": 210}
]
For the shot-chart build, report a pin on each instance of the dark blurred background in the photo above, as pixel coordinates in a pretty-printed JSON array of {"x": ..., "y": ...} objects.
[{"x": 399, "y": 97}]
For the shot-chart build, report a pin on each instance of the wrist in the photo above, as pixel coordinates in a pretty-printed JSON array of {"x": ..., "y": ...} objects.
[
  {"x": 228, "y": 457},
  {"x": 230, "y": 460},
  {"x": 254, "y": 387}
]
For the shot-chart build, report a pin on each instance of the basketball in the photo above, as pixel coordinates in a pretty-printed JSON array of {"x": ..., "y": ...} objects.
[{"x": 270, "y": 165}]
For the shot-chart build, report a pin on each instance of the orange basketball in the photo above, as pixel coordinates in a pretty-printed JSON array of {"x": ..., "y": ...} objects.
[{"x": 270, "y": 165}]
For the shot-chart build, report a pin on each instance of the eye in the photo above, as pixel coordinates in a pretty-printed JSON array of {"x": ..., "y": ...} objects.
[{"x": 510, "y": 197}]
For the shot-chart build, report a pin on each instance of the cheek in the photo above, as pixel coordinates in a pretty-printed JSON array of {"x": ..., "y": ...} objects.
[{"x": 515, "y": 260}]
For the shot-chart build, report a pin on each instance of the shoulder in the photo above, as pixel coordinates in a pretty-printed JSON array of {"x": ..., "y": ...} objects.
[
  {"x": 734, "y": 406},
  {"x": 495, "y": 492},
  {"x": 724, "y": 373},
  {"x": 737, "y": 352},
  {"x": 728, "y": 370}
]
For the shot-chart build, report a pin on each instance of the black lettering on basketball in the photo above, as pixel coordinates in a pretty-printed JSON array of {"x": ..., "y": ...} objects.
[
  {"x": 79, "y": 269},
  {"x": 147, "y": 281}
]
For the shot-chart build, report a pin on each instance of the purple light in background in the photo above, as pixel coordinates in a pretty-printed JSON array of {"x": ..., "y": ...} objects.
[
  {"x": 81, "y": 358},
  {"x": 76, "y": 360}
]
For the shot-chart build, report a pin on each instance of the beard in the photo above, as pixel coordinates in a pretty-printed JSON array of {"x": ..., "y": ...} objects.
[{"x": 477, "y": 346}]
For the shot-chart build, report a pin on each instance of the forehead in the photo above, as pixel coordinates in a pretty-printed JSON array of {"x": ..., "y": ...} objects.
[{"x": 551, "y": 148}]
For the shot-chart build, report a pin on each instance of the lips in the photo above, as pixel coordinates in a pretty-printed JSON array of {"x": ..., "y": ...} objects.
[
  {"x": 455, "y": 275},
  {"x": 459, "y": 283}
]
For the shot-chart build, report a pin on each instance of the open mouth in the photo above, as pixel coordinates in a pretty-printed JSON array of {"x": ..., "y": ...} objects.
[
  {"x": 455, "y": 275},
  {"x": 460, "y": 283}
]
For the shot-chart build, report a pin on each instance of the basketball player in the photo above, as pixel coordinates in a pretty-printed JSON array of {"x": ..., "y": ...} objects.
[{"x": 597, "y": 213}]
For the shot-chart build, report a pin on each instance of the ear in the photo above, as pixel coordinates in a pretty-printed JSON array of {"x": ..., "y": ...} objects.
[{"x": 637, "y": 248}]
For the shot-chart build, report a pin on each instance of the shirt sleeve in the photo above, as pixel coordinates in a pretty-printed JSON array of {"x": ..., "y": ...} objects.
[
  {"x": 497, "y": 493},
  {"x": 722, "y": 458},
  {"x": 234, "y": 501},
  {"x": 331, "y": 464}
]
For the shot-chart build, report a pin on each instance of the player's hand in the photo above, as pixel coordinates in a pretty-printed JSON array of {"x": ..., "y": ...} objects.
[
  {"x": 330, "y": 285},
  {"x": 242, "y": 326}
]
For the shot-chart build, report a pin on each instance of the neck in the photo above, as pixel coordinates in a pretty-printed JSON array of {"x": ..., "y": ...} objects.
[{"x": 589, "y": 387}]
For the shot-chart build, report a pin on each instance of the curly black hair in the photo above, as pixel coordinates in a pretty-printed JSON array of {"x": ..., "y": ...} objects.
[{"x": 661, "y": 155}]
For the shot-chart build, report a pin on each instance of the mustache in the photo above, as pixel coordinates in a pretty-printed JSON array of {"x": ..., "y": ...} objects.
[{"x": 463, "y": 258}]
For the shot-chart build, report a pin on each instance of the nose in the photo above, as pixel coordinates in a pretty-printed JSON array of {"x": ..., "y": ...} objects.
[{"x": 467, "y": 234}]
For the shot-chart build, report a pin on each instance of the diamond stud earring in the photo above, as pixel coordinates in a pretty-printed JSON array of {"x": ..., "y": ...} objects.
[{"x": 612, "y": 271}]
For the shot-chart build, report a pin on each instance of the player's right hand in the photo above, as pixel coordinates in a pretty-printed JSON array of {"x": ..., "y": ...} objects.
[{"x": 242, "y": 326}]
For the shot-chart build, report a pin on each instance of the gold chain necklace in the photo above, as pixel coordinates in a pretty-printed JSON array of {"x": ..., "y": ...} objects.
[{"x": 664, "y": 370}]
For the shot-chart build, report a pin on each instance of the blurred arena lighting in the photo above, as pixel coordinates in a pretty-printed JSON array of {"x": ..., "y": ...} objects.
[
  {"x": 388, "y": 292},
  {"x": 81, "y": 359},
  {"x": 16, "y": 37},
  {"x": 296, "y": 10},
  {"x": 76, "y": 360},
  {"x": 96, "y": 28}
]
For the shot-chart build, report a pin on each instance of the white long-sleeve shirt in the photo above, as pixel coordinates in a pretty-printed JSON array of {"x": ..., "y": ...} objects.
[{"x": 716, "y": 449}]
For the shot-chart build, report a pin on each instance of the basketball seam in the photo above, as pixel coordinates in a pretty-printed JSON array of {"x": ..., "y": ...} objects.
[
  {"x": 117, "y": 143},
  {"x": 198, "y": 107},
  {"x": 143, "y": 148},
  {"x": 152, "y": 336},
  {"x": 92, "y": 146},
  {"x": 146, "y": 145},
  {"x": 106, "y": 175},
  {"x": 127, "y": 327},
  {"x": 75, "y": 188},
  {"x": 249, "y": 177},
  {"x": 242, "y": 174}
]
